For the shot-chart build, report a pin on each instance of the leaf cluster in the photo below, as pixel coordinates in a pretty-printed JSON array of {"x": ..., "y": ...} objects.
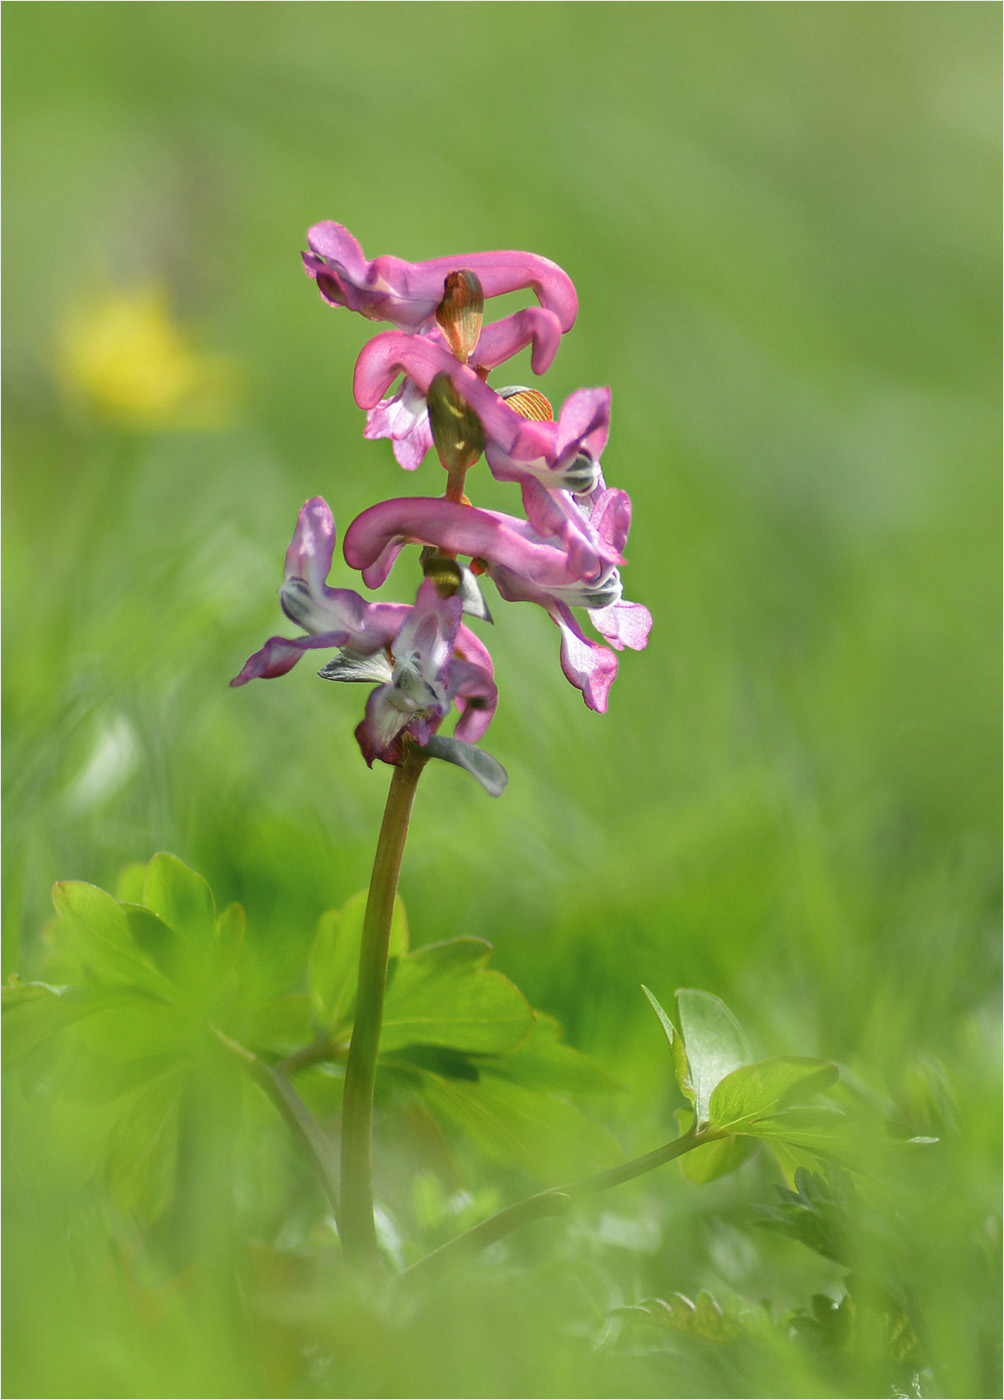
[
  {"x": 734, "y": 1105},
  {"x": 149, "y": 1004}
]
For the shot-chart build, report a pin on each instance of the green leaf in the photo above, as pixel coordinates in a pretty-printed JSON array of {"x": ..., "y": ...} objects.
[
  {"x": 755, "y": 1091},
  {"x": 280, "y": 1026},
  {"x": 705, "y": 1319},
  {"x": 714, "y": 1042},
  {"x": 92, "y": 941},
  {"x": 35, "y": 1013},
  {"x": 127, "y": 1037},
  {"x": 540, "y": 1132},
  {"x": 129, "y": 884},
  {"x": 333, "y": 963},
  {"x": 676, "y": 1047},
  {"x": 157, "y": 940},
  {"x": 442, "y": 994},
  {"x": 545, "y": 1061},
  {"x": 142, "y": 1150},
  {"x": 807, "y": 1136},
  {"x": 230, "y": 929},
  {"x": 816, "y": 1213},
  {"x": 181, "y": 898}
]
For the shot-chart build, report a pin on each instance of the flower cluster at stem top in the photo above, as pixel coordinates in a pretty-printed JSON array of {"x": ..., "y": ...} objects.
[{"x": 564, "y": 553}]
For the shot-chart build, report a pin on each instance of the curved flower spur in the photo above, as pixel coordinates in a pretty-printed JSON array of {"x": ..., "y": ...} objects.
[{"x": 409, "y": 294}]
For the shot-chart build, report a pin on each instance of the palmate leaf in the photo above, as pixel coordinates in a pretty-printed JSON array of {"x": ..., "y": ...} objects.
[
  {"x": 485, "y": 1062},
  {"x": 180, "y": 897},
  {"x": 158, "y": 973},
  {"x": 280, "y": 1026},
  {"x": 544, "y": 1058},
  {"x": 34, "y": 1014},
  {"x": 141, "y": 1153},
  {"x": 139, "y": 987}
]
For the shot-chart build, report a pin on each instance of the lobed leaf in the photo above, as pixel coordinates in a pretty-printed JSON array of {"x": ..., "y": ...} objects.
[
  {"x": 181, "y": 898},
  {"x": 443, "y": 994},
  {"x": 230, "y": 929},
  {"x": 543, "y": 1059},
  {"x": 34, "y": 1013},
  {"x": 91, "y": 941},
  {"x": 279, "y": 1026},
  {"x": 705, "y": 1319}
]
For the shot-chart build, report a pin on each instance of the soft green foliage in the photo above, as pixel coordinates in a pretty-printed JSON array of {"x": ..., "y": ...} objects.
[
  {"x": 156, "y": 993},
  {"x": 732, "y": 1103},
  {"x": 333, "y": 963},
  {"x": 783, "y": 223}
]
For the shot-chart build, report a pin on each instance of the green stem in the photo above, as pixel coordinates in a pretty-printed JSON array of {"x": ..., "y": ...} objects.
[
  {"x": 356, "y": 1223},
  {"x": 554, "y": 1201},
  {"x": 297, "y": 1115}
]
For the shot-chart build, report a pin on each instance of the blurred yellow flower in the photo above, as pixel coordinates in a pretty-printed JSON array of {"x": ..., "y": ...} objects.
[{"x": 128, "y": 358}]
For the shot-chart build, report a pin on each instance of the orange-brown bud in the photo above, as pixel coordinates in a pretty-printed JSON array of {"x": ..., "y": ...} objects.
[
  {"x": 460, "y": 312},
  {"x": 528, "y": 403}
]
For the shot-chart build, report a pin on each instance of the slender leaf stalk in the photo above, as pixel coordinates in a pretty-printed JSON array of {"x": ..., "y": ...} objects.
[
  {"x": 356, "y": 1222},
  {"x": 554, "y": 1201},
  {"x": 297, "y": 1115}
]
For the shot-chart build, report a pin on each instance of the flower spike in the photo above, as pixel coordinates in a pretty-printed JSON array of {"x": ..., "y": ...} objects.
[{"x": 425, "y": 383}]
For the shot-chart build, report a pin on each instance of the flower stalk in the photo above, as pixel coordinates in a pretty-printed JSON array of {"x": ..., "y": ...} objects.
[{"x": 356, "y": 1215}]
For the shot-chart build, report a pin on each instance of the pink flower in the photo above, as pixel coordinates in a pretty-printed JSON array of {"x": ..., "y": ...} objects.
[
  {"x": 420, "y": 659},
  {"x": 403, "y": 416},
  {"x": 332, "y": 617},
  {"x": 525, "y": 567},
  {"x": 588, "y": 665},
  {"x": 562, "y": 454},
  {"x": 422, "y": 680},
  {"x": 407, "y": 294},
  {"x": 376, "y": 537},
  {"x": 423, "y": 657}
]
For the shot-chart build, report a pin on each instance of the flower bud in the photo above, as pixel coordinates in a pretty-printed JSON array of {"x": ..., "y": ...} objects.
[
  {"x": 445, "y": 572},
  {"x": 456, "y": 428},
  {"x": 451, "y": 577},
  {"x": 460, "y": 312},
  {"x": 528, "y": 403}
]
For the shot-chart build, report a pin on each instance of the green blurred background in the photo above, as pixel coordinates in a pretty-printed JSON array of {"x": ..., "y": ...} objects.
[{"x": 782, "y": 222}]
